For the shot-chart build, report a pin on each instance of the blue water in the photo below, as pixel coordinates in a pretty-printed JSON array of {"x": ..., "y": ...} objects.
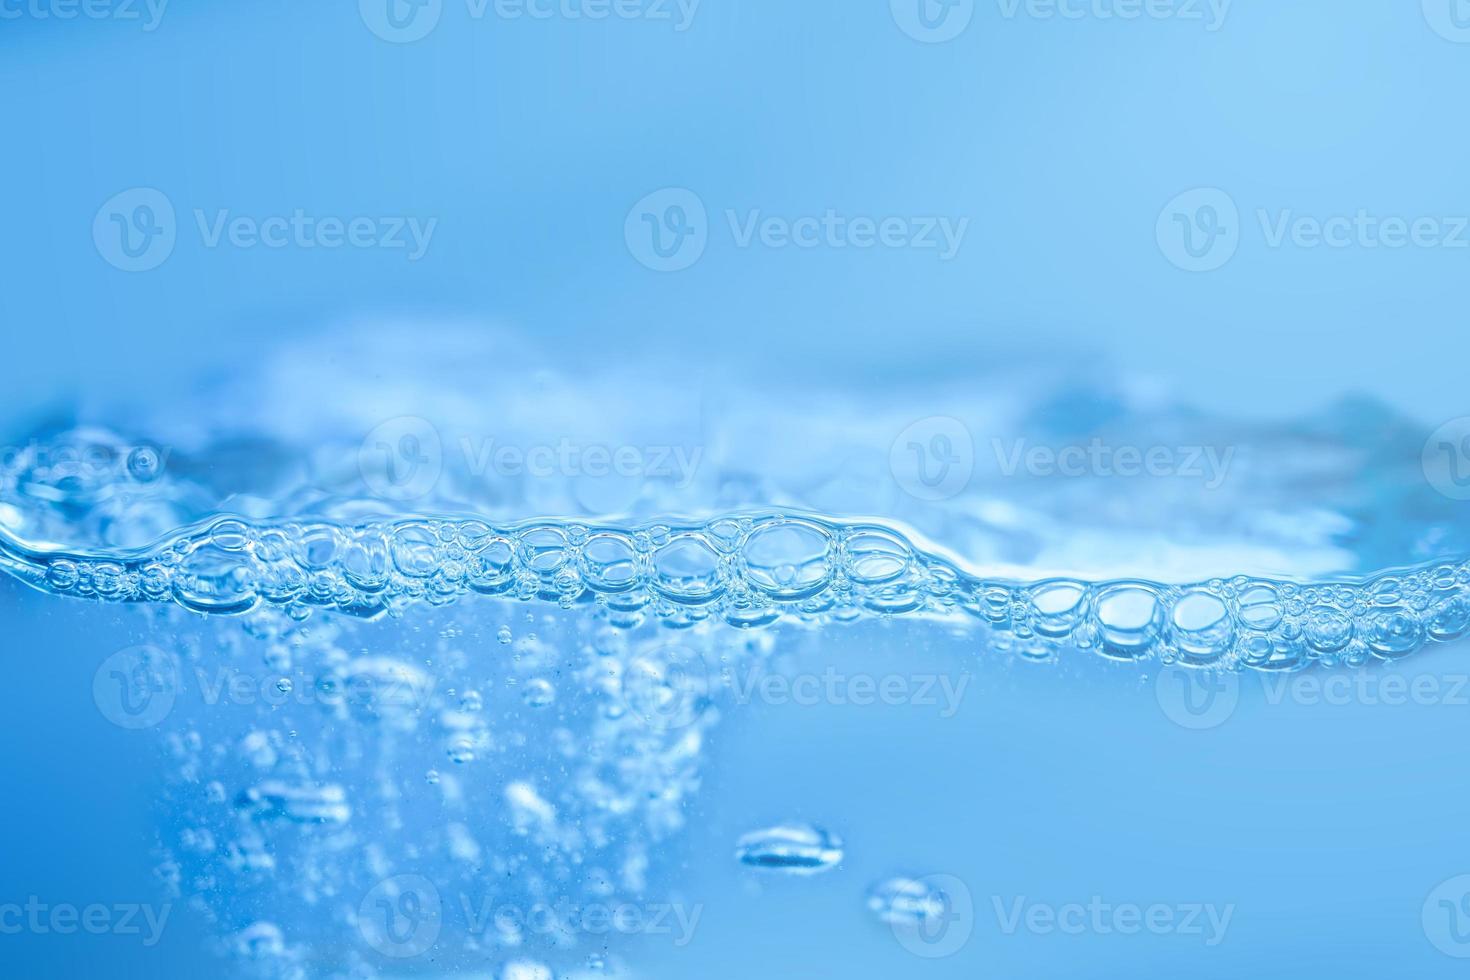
[
  {"x": 542, "y": 490},
  {"x": 391, "y": 732}
]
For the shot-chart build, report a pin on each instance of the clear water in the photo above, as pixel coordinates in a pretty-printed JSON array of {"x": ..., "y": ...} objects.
[{"x": 622, "y": 686}]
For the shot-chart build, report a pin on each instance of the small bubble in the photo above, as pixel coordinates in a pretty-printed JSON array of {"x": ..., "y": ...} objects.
[
  {"x": 538, "y": 693},
  {"x": 794, "y": 848},
  {"x": 504, "y": 636}
]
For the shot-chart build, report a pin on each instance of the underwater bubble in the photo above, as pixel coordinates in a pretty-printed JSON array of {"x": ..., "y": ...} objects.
[
  {"x": 144, "y": 464},
  {"x": 907, "y": 902},
  {"x": 1450, "y": 619},
  {"x": 1129, "y": 615},
  {"x": 873, "y": 556},
  {"x": 1276, "y": 653},
  {"x": 504, "y": 636},
  {"x": 528, "y": 808},
  {"x": 688, "y": 569},
  {"x": 538, "y": 693},
  {"x": 214, "y": 579},
  {"x": 1328, "y": 629},
  {"x": 1260, "y": 608},
  {"x": 62, "y": 574},
  {"x": 525, "y": 970},
  {"x": 543, "y": 549},
  {"x": 609, "y": 562},
  {"x": 788, "y": 559},
  {"x": 1393, "y": 632},
  {"x": 1059, "y": 605},
  {"x": 259, "y": 749},
  {"x": 275, "y": 799},
  {"x": 260, "y": 941},
  {"x": 1203, "y": 629},
  {"x": 460, "y": 749},
  {"x": 795, "y": 848}
]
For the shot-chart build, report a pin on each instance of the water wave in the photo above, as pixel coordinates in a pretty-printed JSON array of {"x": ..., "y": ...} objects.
[{"x": 751, "y": 570}]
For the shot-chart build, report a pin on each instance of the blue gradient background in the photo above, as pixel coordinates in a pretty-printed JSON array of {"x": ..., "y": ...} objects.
[{"x": 529, "y": 141}]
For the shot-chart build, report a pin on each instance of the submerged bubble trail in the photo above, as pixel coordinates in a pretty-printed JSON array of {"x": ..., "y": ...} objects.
[{"x": 752, "y": 570}]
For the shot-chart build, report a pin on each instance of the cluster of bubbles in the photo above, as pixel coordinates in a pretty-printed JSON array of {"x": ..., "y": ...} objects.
[
  {"x": 356, "y": 800},
  {"x": 752, "y": 570}
]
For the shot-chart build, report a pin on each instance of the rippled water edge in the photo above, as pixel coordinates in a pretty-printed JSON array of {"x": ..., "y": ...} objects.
[{"x": 751, "y": 570}]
